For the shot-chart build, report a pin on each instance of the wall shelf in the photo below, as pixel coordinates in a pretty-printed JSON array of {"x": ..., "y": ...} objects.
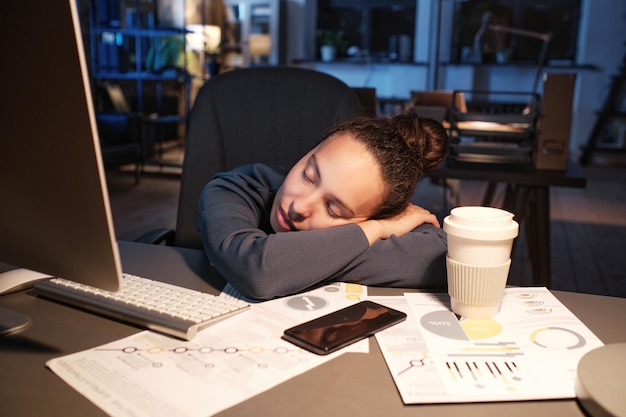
[{"x": 133, "y": 45}]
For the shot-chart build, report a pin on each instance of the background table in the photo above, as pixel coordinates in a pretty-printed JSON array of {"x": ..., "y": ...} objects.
[
  {"x": 353, "y": 384},
  {"x": 527, "y": 196}
]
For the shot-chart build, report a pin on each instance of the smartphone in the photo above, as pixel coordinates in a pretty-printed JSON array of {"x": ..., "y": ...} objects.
[{"x": 341, "y": 328}]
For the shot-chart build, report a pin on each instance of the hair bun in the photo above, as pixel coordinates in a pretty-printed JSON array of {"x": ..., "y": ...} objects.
[{"x": 426, "y": 138}]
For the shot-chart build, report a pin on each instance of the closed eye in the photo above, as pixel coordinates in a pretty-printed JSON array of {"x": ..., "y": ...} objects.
[
  {"x": 306, "y": 177},
  {"x": 311, "y": 174},
  {"x": 331, "y": 213}
]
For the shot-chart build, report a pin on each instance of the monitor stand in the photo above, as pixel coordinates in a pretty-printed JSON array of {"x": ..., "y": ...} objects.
[
  {"x": 11, "y": 321},
  {"x": 600, "y": 381},
  {"x": 12, "y": 281}
]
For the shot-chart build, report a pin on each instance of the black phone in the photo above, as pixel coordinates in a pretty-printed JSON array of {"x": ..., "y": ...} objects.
[{"x": 341, "y": 328}]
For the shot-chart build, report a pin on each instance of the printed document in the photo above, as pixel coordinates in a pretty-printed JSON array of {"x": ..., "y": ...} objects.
[
  {"x": 152, "y": 375},
  {"x": 528, "y": 351}
]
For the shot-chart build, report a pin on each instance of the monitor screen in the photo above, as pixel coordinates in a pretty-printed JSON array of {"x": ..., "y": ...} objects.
[{"x": 54, "y": 210}]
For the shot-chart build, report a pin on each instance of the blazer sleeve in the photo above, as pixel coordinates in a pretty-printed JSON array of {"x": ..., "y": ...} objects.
[
  {"x": 413, "y": 260},
  {"x": 233, "y": 216}
]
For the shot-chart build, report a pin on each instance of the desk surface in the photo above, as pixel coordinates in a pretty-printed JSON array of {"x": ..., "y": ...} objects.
[{"x": 354, "y": 383}]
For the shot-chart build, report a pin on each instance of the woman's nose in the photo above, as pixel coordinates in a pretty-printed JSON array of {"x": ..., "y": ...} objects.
[
  {"x": 301, "y": 207},
  {"x": 294, "y": 214}
]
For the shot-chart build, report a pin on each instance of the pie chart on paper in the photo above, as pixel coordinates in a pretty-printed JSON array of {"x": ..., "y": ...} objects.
[{"x": 445, "y": 323}]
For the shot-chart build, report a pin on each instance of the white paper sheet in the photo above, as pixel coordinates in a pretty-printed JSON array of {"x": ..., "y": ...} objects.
[
  {"x": 151, "y": 375},
  {"x": 528, "y": 351}
]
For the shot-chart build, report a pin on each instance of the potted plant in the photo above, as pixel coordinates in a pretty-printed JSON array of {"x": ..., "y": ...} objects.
[{"x": 329, "y": 41}]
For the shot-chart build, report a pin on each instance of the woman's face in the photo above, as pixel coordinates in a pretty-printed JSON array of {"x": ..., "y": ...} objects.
[{"x": 338, "y": 182}]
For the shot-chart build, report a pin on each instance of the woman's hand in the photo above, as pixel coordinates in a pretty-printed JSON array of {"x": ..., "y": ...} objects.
[{"x": 410, "y": 218}]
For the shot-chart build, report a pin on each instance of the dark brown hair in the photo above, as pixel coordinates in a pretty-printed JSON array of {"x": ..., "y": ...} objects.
[{"x": 406, "y": 147}]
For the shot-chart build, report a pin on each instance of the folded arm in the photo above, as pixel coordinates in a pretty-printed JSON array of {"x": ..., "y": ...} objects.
[{"x": 233, "y": 217}]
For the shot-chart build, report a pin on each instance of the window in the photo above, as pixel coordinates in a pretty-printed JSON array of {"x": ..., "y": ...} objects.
[
  {"x": 385, "y": 29},
  {"x": 559, "y": 17}
]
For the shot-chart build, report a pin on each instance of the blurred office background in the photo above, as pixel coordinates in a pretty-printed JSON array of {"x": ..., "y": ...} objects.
[{"x": 148, "y": 58}]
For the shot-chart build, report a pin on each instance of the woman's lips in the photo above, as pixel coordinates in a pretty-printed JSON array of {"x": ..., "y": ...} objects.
[{"x": 284, "y": 221}]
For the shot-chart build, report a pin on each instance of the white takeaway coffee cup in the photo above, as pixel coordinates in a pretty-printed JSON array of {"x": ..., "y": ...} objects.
[{"x": 480, "y": 240}]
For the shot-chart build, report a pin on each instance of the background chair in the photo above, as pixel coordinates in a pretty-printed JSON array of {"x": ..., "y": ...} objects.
[
  {"x": 120, "y": 130},
  {"x": 270, "y": 115}
]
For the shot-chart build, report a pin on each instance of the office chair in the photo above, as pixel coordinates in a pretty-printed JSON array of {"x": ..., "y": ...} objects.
[
  {"x": 269, "y": 115},
  {"x": 119, "y": 128}
]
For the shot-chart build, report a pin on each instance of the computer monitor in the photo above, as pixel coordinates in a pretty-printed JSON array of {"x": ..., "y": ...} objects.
[{"x": 55, "y": 216}]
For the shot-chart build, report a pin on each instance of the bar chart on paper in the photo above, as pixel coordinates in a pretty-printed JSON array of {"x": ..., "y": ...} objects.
[{"x": 529, "y": 350}]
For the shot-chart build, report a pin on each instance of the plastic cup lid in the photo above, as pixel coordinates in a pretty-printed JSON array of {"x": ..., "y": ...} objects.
[{"x": 476, "y": 222}]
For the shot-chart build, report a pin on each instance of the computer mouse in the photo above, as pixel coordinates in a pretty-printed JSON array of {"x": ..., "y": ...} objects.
[{"x": 19, "y": 279}]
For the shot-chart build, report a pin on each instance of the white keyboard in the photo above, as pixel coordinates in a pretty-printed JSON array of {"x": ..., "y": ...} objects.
[{"x": 155, "y": 305}]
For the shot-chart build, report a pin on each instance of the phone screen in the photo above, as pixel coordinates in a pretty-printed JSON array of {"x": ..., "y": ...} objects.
[{"x": 333, "y": 331}]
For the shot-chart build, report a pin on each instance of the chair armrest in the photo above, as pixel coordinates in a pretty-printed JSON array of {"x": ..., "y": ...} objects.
[{"x": 157, "y": 237}]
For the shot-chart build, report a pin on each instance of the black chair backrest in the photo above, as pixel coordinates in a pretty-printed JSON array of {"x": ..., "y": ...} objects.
[{"x": 269, "y": 115}]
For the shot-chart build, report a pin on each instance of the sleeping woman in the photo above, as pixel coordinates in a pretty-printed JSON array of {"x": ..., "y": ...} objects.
[{"x": 342, "y": 213}]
